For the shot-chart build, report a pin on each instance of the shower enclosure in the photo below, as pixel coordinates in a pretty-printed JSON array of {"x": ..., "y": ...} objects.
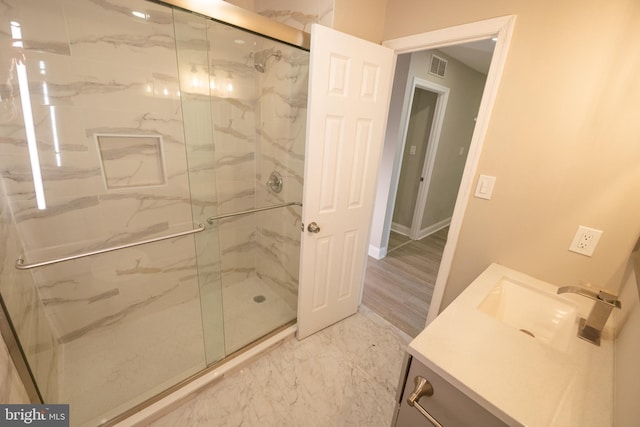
[{"x": 151, "y": 167}]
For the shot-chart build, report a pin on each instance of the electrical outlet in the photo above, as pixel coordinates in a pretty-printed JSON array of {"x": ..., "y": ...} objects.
[{"x": 585, "y": 240}]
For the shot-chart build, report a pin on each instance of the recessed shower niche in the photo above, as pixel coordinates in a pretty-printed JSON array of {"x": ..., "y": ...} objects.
[{"x": 131, "y": 160}]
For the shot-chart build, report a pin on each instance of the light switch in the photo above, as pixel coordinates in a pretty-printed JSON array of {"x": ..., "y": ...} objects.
[
  {"x": 412, "y": 150},
  {"x": 485, "y": 186}
]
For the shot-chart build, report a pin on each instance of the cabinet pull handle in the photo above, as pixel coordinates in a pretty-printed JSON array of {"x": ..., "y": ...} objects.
[{"x": 423, "y": 388}]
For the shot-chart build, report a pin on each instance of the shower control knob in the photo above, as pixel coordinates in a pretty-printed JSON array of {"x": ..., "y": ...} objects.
[{"x": 313, "y": 228}]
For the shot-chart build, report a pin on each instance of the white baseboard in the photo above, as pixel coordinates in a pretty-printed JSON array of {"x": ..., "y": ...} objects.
[
  {"x": 401, "y": 229},
  {"x": 381, "y": 252},
  {"x": 434, "y": 227},
  {"x": 376, "y": 252}
]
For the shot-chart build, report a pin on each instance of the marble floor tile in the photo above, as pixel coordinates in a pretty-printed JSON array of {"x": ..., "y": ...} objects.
[{"x": 345, "y": 375}]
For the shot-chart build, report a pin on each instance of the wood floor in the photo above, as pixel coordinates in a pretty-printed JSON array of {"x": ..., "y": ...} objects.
[
  {"x": 399, "y": 287},
  {"x": 395, "y": 240}
]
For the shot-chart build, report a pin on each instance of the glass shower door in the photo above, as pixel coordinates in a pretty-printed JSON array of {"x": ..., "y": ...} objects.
[
  {"x": 148, "y": 123},
  {"x": 192, "y": 47},
  {"x": 253, "y": 92},
  {"x": 103, "y": 332}
]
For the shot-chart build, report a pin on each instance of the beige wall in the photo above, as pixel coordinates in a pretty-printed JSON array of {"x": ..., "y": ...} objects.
[
  {"x": 563, "y": 140},
  {"x": 360, "y": 18}
]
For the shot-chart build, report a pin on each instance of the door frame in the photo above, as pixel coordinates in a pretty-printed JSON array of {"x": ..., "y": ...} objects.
[
  {"x": 500, "y": 28},
  {"x": 433, "y": 140},
  {"x": 432, "y": 149}
]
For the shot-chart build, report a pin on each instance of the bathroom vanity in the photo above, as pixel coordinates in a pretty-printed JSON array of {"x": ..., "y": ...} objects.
[
  {"x": 506, "y": 353},
  {"x": 429, "y": 400}
]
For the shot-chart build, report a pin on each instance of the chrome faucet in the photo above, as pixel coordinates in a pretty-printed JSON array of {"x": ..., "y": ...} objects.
[{"x": 591, "y": 328}]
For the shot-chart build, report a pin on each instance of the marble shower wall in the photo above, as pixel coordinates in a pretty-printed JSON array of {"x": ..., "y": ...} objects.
[
  {"x": 27, "y": 313},
  {"x": 234, "y": 113},
  {"x": 294, "y": 13},
  {"x": 282, "y": 133},
  {"x": 281, "y": 136},
  {"x": 95, "y": 68},
  {"x": 192, "y": 47},
  {"x": 258, "y": 126}
]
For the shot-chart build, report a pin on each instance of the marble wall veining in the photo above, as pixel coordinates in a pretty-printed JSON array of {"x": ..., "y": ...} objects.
[
  {"x": 111, "y": 73},
  {"x": 282, "y": 131},
  {"x": 20, "y": 295},
  {"x": 234, "y": 114},
  {"x": 258, "y": 126},
  {"x": 197, "y": 132},
  {"x": 95, "y": 68},
  {"x": 294, "y": 13},
  {"x": 191, "y": 49},
  {"x": 249, "y": 124}
]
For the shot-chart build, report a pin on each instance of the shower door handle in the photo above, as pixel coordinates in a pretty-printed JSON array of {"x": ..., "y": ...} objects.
[{"x": 313, "y": 228}]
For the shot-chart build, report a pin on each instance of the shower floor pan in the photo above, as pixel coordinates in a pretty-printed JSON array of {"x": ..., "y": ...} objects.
[{"x": 102, "y": 380}]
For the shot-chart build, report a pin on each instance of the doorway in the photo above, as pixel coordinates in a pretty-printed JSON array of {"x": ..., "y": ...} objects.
[
  {"x": 433, "y": 155},
  {"x": 428, "y": 104}
]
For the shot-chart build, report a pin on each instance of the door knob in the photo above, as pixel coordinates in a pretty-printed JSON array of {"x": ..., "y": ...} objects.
[{"x": 313, "y": 228}]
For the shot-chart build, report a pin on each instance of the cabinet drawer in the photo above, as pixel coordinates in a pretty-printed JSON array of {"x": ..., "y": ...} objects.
[{"x": 447, "y": 405}]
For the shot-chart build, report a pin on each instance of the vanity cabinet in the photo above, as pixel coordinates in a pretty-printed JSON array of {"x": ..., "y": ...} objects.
[{"x": 442, "y": 403}]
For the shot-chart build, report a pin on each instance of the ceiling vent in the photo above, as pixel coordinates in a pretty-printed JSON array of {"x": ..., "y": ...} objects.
[{"x": 437, "y": 66}]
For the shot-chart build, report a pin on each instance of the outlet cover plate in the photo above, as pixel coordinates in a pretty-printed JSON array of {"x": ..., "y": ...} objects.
[{"x": 585, "y": 240}]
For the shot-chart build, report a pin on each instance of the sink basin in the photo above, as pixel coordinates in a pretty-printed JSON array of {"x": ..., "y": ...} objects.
[{"x": 539, "y": 314}]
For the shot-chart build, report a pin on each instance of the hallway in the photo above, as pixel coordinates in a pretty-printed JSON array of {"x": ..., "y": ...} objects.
[{"x": 399, "y": 287}]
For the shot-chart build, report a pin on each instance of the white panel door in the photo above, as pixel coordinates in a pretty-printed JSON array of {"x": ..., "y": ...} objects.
[{"x": 349, "y": 89}]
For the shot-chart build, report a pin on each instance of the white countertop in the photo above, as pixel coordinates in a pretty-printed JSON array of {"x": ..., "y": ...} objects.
[{"x": 520, "y": 379}]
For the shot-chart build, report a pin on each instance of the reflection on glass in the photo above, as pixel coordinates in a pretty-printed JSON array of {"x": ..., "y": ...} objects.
[
  {"x": 54, "y": 131},
  {"x": 140, "y": 15},
  {"x": 52, "y": 115},
  {"x": 27, "y": 113}
]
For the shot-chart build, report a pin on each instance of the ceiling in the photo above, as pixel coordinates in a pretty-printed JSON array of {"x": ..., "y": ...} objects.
[{"x": 476, "y": 55}]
